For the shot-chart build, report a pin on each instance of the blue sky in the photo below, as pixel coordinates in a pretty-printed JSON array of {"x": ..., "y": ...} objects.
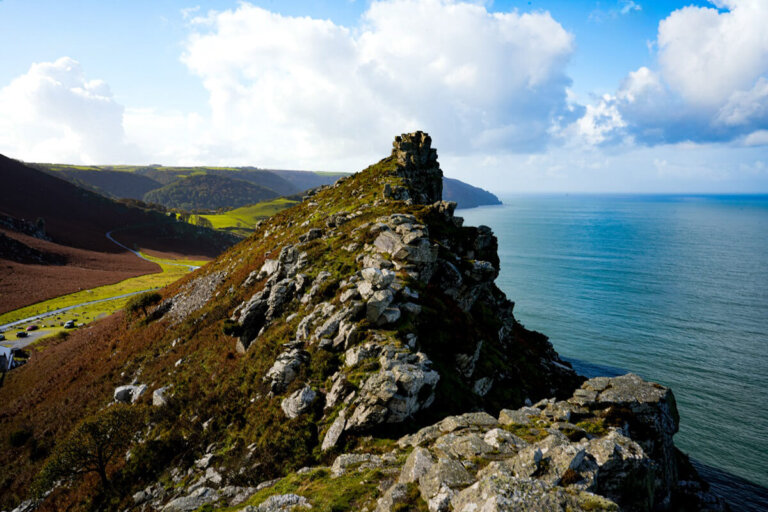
[{"x": 560, "y": 96}]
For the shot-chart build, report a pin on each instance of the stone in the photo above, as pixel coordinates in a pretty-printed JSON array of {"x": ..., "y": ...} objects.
[
  {"x": 365, "y": 289},
  {"x": 417, "y": 163},
  {"x": 346, "y": 461},
  {"x": 389, "y": 316},
  {"x": 204, "y": 461},
  {"x": 312, "y": 234},
  {"x": 268, "y": 269},
  {"x": 503, "y": 441},
  {"x": 403, "y": 385},
  {"x": 376, "y": 305},
  {"x": 464, "y": 446},
  {"x": 411, "y": 308},
  {"x": 418, "y": 463},
  {"x": 213, "y": 476},
  {"x": 159, "y": 397},
  {"x": 394, "y": 496},
  {"x": 519, "y": 417},
  {"x": 348, "y": 295},
  {"x": 441, "y": 479},
  {"x": 281, "y": 503},
  {"x": 379, "y": 278},
  {"x": 299, "y": 402},
  {"x": 482, "y": 386},
  {"x": 499, "y": 491},
  {"x": 465, "y": 363},
  {"x": 196, "y": 499},
  {"x": 356, "y": 355},
  {"x": 470, "y": 419},
  {"x": 349, "y": 313},
  {"x": 285, "y": 368},
  {"x": 390, "y": 243},
  {"x": 334, "y": 431},
  {"x": 129, "y": 394}
]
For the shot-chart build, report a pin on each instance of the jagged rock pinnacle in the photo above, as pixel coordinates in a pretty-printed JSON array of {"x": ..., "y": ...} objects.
[{"x": 417, "y": 164}]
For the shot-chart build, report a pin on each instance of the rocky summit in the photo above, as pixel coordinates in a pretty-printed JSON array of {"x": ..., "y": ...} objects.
[{"x": 354, "y": 353}]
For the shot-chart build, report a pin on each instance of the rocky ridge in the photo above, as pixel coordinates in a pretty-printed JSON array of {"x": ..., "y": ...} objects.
[
  {"x": 608, "y": 447},
  {"x": 366, "y": 313}
]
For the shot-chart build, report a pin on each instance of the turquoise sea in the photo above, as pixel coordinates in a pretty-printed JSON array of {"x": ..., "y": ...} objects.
[{"x": 673, "y": 288}]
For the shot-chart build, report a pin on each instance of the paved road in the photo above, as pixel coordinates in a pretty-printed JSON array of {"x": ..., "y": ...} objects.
[
  {"x": 36, "y": 334},
  {"x": 62, "y": 310},
  {"x": 137, "y": 253}
]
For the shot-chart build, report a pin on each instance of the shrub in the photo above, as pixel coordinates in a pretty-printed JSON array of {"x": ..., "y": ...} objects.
[
  {"x": 20, "y": 437},
  {"x": 142, "y": 302}
]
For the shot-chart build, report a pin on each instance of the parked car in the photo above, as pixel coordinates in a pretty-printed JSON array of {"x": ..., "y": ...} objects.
[
  {"x": 70, "y": 324},
  {"x": 2, "y": 337},
  {"x": 32, "y": 328},
  {"x": 21, "y": 334}
]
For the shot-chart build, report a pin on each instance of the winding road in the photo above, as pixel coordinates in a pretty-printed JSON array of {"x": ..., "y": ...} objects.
[{"x": 22, "y": 342}]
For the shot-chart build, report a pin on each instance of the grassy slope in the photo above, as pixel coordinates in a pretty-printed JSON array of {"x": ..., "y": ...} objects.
[
  {"x": 243, "y": 220},
  {"x": 207, "y": 191},
  {"x": 213, "y": 382}
]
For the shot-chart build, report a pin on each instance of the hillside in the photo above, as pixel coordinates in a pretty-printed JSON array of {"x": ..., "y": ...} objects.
[
  {"x": 111, "y": 183},
  {"x": 72, "y": 224},
  {"x": 208, "y": 192},
  {"x": 353, "y": 354},
  {"x": 466, "y": 195},
  {"x": 133, "y": 182}
]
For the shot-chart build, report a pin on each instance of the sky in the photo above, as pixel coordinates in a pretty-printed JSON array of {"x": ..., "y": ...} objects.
[{"x": 575, "y": 96}]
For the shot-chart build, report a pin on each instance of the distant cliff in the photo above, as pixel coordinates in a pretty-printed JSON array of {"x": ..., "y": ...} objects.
[{"x": 466, "y": 195}]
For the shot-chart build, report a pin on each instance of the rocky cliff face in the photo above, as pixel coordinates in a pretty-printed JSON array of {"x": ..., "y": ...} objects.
[
  {"x": 608, "y": 447},
  {"x": 362, "y": 315}
]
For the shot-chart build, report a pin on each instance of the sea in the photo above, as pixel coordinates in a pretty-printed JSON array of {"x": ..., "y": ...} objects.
[{"x": 671, "y": 287}]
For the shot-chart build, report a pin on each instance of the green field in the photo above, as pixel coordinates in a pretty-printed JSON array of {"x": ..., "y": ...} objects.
[
  {"x": 243, "y": 220},
  {"x": 172, "y": 270}
]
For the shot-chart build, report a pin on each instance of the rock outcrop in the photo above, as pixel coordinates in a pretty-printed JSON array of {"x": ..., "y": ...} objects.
[
  {"x": 609, "y": 447},
  {"x": 367, "y": 312}
]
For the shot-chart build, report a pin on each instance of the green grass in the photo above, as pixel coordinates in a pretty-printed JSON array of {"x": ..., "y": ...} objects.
[
  {"x": 243, "y": 220},
  {"x": 172, "y": 270},
  {"x": 351, "y": 491}
]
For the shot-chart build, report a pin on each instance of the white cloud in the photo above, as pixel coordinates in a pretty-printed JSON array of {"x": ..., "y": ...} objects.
[
  {"x": 53, "y": 113},
  {"x": 711, "y": 83},
  {"x": 628, "y": 6},
  {"x": 757, "y": 138},
  {"x": 306, "y": 91},
  {"x": 706, "y": 55},
  {"x": 621, "y": 8}
]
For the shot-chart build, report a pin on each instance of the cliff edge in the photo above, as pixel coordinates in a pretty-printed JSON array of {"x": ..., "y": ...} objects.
[{"x": 353, "y": 353}]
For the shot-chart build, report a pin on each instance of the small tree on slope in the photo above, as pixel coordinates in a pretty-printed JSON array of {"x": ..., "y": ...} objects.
[{"x": 92, "y": 446}]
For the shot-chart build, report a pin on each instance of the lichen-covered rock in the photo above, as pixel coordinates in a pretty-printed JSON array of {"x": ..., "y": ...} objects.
[
  {"x": 403, "y": 385},
  {"x": 192, "y": 501},
  {"x": 285, "y": 369},
  {"x": 159, "y": 396},
  {"x": 130, "y": 393},
  {"x": 334, "y": 431},
  {"x": 417, "y": 162},
  {"x": 282, "y": 503},
  {"x": 299, "y": 402},
  {"x": 358, "y": 461}
]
